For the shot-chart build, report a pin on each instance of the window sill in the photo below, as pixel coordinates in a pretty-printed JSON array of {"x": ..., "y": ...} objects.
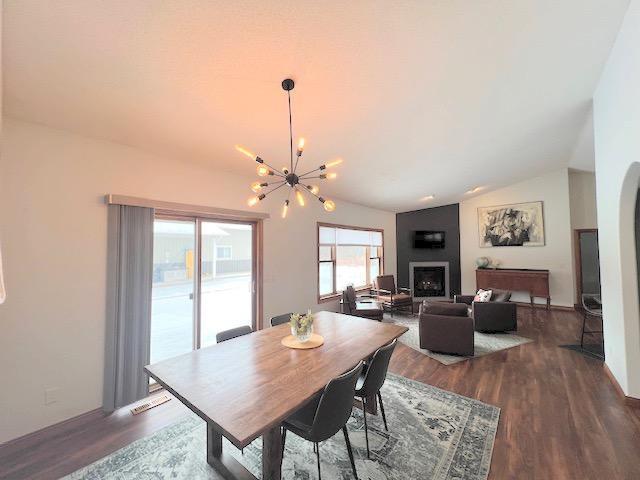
[{"x": 337, "y": 296}]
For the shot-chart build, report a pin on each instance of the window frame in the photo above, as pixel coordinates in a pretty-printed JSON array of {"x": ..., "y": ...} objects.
[{"x": 379, "y": 254}]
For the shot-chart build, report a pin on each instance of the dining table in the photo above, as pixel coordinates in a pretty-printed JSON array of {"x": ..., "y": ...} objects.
[{"x": 245, "y": 387}]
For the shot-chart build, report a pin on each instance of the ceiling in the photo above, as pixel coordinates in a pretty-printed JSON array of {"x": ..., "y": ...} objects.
[{"x": 419, "y": 97}]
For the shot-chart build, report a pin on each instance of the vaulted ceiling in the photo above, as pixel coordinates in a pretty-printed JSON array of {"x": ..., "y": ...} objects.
[{"x": 419, "y": 97}]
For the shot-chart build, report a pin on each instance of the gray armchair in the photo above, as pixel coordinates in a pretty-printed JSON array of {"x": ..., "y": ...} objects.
[
  {"x": 496, "y": 315},
  {"x": 446, "y": 328}
]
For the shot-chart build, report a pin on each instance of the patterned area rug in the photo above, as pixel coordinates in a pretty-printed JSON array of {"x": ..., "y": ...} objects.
[
  {"x": 433, "y": 434},
  {"x": 484, "y": 343}
]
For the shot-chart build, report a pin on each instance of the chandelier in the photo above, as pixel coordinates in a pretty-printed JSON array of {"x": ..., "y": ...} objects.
[{"x": 288, "y": 176}]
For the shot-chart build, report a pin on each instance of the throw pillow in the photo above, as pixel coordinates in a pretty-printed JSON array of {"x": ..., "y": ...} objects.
[{"x": 483, "y": 296}]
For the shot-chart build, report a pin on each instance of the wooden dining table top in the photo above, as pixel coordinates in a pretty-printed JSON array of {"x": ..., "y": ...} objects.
[{"x": 249, "y": 384}]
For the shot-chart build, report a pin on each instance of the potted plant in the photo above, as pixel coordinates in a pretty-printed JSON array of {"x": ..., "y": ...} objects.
[{"x": 302, "y": 326}]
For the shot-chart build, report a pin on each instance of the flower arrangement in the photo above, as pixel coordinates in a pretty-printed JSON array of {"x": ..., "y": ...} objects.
[{"x": 302, "y": 325}]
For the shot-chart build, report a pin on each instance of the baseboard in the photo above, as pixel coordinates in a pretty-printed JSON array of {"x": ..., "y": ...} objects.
[
  {"x": 96, "y": 413},
  {"x": 542, "y": 306},
  {"x": 629, "y": 401}
]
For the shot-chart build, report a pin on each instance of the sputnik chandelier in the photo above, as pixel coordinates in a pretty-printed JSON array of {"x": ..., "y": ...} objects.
[{"x": 289, "y": 176}]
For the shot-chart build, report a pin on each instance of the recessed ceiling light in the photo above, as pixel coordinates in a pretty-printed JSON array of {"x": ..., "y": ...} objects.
[
  {"x": 427, "y": 198},
  {"x": 474, "y": 190}
]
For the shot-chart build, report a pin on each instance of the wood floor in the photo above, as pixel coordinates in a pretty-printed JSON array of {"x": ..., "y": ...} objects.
[{"x": 561, "y": 417}]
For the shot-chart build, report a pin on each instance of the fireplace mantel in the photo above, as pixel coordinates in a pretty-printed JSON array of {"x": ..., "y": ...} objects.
[{"x": 416, "y": 269}]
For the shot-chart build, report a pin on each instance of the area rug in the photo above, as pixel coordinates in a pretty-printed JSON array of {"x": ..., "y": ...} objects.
[
  {"x": 484, "y": 343},
  {"x": 433, "y": 434}
]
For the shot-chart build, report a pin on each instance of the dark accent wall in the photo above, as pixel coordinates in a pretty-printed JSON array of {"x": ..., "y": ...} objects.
[{"x": 446, "y": 219}]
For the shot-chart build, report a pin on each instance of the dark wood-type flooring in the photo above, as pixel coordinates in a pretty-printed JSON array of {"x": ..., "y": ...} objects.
[{"x": 561, "y": 416}]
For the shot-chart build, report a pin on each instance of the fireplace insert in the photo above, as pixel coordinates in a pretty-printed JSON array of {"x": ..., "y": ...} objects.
[{"x": 429, "y": 282}]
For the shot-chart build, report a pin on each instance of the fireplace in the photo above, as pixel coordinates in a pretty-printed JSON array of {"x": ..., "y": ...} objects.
[{"x": 429, "y": 280}]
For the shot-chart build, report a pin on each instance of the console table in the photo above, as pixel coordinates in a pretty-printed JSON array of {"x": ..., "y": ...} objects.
[{"x": 534, "y": 282}]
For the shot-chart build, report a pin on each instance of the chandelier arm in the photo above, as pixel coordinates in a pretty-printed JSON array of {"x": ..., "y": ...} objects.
[
  {"x": 308, "y": 189},
  {"x": 275, "y": 170},
  {"x": 276, "y": 188},
  {"x": 309, "y": 178},
  {"x": 310, "y": 171}
]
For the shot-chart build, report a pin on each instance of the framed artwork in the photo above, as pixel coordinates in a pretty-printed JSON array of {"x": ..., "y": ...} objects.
[{"x": 514, "y": 225}]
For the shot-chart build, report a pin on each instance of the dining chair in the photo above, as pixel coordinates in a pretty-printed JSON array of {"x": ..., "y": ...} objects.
[
  {"x": 326, "y": 414},
  {"x": 592, "y": 307},
  {"x": 370, "y": 382},
  {"x": 233, "y": 333},
  {"x": 280, "y": 319}
]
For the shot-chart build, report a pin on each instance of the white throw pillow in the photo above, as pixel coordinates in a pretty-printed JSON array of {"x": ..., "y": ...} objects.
[{"x": 483, "y": 296}]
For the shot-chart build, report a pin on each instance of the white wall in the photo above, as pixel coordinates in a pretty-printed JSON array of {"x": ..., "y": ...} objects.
[
  {"x": 617, "y": 147},
  {"x": 582, "y": 198},
  {"x": 556, "y": 255},
  {"x": 54, "y": 226}
]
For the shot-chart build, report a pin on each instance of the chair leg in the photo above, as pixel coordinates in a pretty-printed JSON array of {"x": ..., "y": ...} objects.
[
  {"x": 384, "y": 417},
  {"x": 348, "y": 442},
  {"x": 584, "y": 322},
  {"x": 366, "y": 428},
  {"x": 318, "y": 457},
  {"x": 284, "y": 439}
]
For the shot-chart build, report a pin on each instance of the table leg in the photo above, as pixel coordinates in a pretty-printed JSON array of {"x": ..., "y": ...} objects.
[
  {"x": 531, "y": 300},
  {"x": 548, "y": 303},
  {"x": 272, "y": 454},
  {"x": 222, "y": 462}
]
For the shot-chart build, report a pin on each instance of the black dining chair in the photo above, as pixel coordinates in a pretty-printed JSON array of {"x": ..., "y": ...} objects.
[
  {"x": 326, "y": 414},
  {"x": 280, "y": 319},
  {"x": 370, "y": 382},
  {"x": 233, "y": 333}
]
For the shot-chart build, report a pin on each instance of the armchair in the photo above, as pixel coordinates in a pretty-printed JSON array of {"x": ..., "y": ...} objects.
[
  {"x": 367, "y": 309},
  {"x": 392, "y": 298},
  {"x": 446, "y": 328},
  {"x": 496, "y": 315}
]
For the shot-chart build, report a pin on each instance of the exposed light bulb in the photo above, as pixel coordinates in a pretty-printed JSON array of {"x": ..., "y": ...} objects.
[
  {"x": 252, "y": 201},
  {"x": 335, "y": 162},
  {"x": 285, "y": 208},
  {"x": 427, "y": 198},
  {"x": 329, "y": 205},
  {"x": 262, "y": 171},
  {"x": 332, "y": 175},
  {"x": 300, "y": 198},
  {"x": 285, "y": 170},
  {"x": 314, "y": 189},
  {"x": 246, "y": 152},
  {"x": 300, "y": 145},
  {"x": 256, "y": 186}
]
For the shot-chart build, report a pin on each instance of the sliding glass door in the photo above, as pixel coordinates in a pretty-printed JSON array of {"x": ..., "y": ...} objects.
[
  {"x": 173, "y": 288},
  {"x": 203, "y": 282},
  {"x": 226, "y": 280}
]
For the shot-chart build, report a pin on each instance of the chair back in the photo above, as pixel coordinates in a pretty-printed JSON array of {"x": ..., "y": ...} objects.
[
  {"x": 377, "y": 370},
  {"x": 280, "y": 319},
  {"x": 349, "y": 299},
  {"x": 591, "y": 303},
  {"x": 335, "y": 405},
  {"x": 386, "y": 282},
  {"x": 233, "y": 333}
]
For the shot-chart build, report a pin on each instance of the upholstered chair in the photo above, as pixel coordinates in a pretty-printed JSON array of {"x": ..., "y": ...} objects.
[
  {"x": 363, "y": 306},
  {"x": 499, "y": 314},
  {"x": 391, "y": 298}
]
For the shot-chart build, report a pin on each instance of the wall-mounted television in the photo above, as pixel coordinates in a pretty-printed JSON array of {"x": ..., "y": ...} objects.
[{"x": 428, "y": 239}]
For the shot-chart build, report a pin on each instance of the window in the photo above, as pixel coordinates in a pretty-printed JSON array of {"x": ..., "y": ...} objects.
[
  {"x": 347, "y": 256},
  {"x": 224, "y": 252}
]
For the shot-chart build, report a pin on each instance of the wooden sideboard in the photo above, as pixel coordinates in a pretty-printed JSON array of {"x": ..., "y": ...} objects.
[{"x": 534, "y": 282}]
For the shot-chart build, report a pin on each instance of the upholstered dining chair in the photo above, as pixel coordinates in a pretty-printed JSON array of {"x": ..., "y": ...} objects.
[
  {"x": 370, "y": 382},
  {"x": 280, "y": 319},
  {"x": 391, "y": 298},
  {"x": 326, "y": 414},
  {"x": 233, "y": 333}
]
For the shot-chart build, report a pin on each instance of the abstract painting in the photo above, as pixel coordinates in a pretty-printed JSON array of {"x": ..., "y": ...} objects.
[{"x": 515, "y": 225}]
